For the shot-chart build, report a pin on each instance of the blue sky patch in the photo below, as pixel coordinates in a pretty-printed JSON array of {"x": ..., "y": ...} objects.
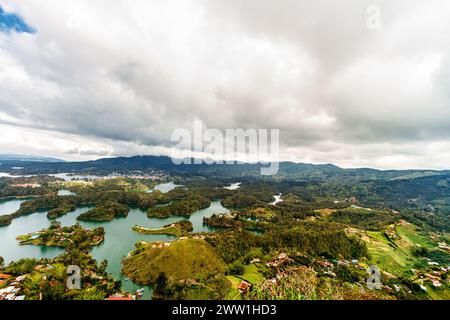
[{"x": 12, "y": 22}]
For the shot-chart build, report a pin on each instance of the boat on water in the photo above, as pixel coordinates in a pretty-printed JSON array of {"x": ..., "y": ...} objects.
[{"x": 140, "y": 292}]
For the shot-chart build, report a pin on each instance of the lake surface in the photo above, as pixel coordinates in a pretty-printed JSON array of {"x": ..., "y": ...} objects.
[
  {"x": 119, "y": 238},
  {"x": 10, "y": 249},
  {"x": 4, "y": 174},
  {"x": 277, "y": 199},
  {"x": 233, "y": 186},
  {"x": 70, "y": 177},
  {"x": 64, "y": 192},
  {"x": 165, "y": 187},
  {"x": 64, "y": 176},
  {"x": 8, "y": 175}
]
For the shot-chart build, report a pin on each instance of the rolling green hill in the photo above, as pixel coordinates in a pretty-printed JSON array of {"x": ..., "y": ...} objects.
[{"x": 183, "y": 259}]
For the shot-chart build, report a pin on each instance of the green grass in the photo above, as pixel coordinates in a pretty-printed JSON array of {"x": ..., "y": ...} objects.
[
  {"x": 252, "y": 274},
  {"x": 438, "y": 294},
  {"x": 183, "y": 259},
  {"x": 414, "y": 237},
  {"x": 170, "y": 230},
  {"x": 385, "y": 255},
  {"x": 396, "y": 255},
  {"x": 233, "y": 293},
  {"x": 263, "y": 213},
  {"x": 415, "y": 175}
]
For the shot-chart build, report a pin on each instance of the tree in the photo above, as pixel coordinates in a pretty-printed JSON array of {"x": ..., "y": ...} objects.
[
  {"x": 52, "y": 290},
  {"x": 55, "y": 225},
  {"x": 103, "y": 266},
  {"x": 161, "y": 283},
  {"x": 1, "y": 261},
  {"x": 236, "y": 268}
]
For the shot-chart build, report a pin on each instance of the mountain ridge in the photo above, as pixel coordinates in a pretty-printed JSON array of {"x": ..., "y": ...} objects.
[{"x": 164, "y": 163}]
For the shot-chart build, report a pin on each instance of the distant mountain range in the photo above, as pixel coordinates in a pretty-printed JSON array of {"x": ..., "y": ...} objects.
[
  {"x": 16, "y": 157},
  {"x": 38, "y": 165}
]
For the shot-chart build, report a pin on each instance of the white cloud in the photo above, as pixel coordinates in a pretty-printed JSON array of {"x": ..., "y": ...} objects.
[{"x": 116, "y": 78}]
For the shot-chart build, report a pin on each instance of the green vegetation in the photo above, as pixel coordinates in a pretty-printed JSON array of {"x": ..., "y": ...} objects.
[
  {"x": 5, "y": 220},
  {"x": 436, "y": 255},
  {"x": 222, "y": 221},
  {"x": 393, "y": 249},
  {"x": 240, "y": 201},
  {"x": 261, "y": 213},
  {"x": 57, "y": 236},
  {"x": 180, "y": 208},
  {"x": 252, "y": 274},
  {"x": 364, "y": 218},
  {"x": 181, "y": 260},
  {"x": 61, "y": 211},
  {"x": 24, "y": 187},
  {"x": 178, "y": 229},
  {"x": 305, "y": 283},
  {"x": 105, "y": 212},
  {"x": 312, "y": 238},
  {"x": 332, "y": 223},
  {"x": 46, "y": 279}
]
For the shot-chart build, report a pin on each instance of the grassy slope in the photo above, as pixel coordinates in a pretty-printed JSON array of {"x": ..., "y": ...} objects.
[
  {"x": 396, "y": 256},
  {"x": 252, "y": 274},
  {"x": 171, "y": 230},
  {"x": 183, "y": 259},
  {"x": 412, "y": 237}
]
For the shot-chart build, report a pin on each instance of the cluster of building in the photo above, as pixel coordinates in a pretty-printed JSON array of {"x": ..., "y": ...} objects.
[
  {"x": 160, "y": 245},
  {"x": 442, "y": 245},
  {"x": 328, "y": 266},
  {"x": 352, "y": 200},
  {"x": 126, "y": 297},
  {"x": 434, "y": 276},
  {"x": 27, "y": 185},
  {"x": 282, "y": 259},
  {"x": 139, "y": 175},
  {"x": 12, "y": 291}
]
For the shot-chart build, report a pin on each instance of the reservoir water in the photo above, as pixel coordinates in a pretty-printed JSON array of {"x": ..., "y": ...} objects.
[
  {"x": 277, "y": 199},
  {"x": 64, "y": 176},
  {"x": 165, "y": 187},
  {"x": 65, "y": 193},
  {"x": 233, "y": 186},
  {"x": 9, "y": 246},
  {"x": 119, "y": 238}
]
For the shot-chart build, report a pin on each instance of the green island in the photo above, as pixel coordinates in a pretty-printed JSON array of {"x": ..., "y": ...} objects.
[
  {"x": 222, "y": 221},
  {"x": 58, "y": 236},
  {"x": 5, "y": 220},
  {"x": 178, "y": 229},
  {"x": 180, "y": 208},
  {"x": 105, "y": 212},
  {"x": 61, "y": 211},
  {"x": 46, "y": 279}
]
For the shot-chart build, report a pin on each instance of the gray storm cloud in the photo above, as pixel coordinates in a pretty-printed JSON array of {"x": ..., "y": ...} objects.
[{"x": 116, "y": 78}]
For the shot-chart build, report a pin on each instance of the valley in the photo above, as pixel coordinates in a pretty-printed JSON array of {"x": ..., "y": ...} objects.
[{"x": 189, "y": 236}]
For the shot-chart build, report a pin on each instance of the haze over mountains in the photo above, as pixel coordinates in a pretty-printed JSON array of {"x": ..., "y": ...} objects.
[
  {"x": 18, "y": 157},
  {"x": 35, "y": 165}
]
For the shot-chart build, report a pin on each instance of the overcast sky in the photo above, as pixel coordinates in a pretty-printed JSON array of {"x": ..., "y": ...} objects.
[{"x": 91, "y": 78}]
